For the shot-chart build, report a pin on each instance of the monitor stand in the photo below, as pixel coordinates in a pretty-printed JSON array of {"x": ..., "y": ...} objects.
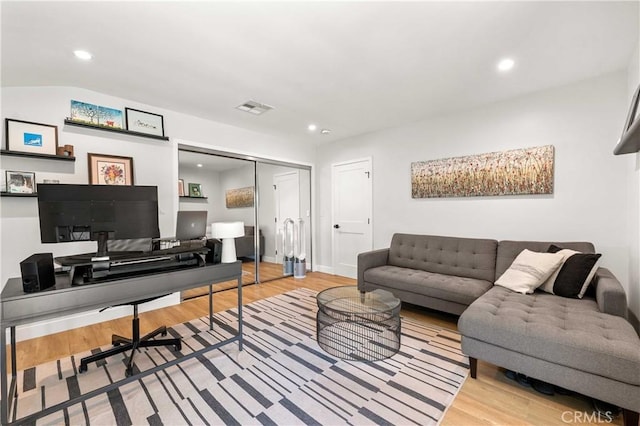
[{"x": 102, "y": 237}]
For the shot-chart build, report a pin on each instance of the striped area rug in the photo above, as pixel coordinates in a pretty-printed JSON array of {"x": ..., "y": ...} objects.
[{"x": 282, "y": 377}]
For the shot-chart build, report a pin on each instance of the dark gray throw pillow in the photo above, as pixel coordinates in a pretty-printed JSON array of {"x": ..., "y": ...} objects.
[{"x": 575, "y": 274}]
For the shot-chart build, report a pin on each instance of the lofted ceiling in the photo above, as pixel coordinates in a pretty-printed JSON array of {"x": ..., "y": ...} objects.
[{"x": 352, "y": 67}]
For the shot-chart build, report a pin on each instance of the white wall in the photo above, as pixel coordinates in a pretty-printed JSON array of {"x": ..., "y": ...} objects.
[
  {"x": 155, "y": 163},
  {"x": 633, "y": 160},
  {"x": 589, "y": 202}
]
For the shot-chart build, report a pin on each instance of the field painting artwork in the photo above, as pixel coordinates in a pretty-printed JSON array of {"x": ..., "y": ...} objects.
[{"x": 514, "y": 172}]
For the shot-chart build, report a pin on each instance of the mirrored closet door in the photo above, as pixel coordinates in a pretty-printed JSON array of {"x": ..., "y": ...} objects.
[{"x": 271, "y": 199}]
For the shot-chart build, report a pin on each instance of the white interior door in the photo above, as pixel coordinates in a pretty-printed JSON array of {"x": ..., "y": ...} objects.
[
  {"x": 351, "y": 214},
  {"x": 286, "y": 188}
]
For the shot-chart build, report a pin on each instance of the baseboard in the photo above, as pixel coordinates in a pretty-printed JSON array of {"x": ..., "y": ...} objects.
[
  {"x": 269, "y": 259},
  {"x": 325, "y": 269},
  {"x": 83, "y": 319}
]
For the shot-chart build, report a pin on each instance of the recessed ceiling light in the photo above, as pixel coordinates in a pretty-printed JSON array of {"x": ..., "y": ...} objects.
[
  {"x": 312, "y": 127},
  {"x": 199, "y": 165},
  {"x": 325, "y": 131},
  {"x": 506, "y": 64},
  {"x": 83, "y": 54}
]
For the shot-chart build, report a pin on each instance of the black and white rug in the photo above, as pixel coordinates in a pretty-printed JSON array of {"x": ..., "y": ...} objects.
[{"x": 282, "y": 377}]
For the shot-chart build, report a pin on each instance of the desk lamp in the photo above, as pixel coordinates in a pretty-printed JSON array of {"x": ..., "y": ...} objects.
[{"x": 227, "y": 231}]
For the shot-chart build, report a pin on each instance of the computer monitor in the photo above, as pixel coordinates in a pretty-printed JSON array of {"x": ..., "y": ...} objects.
[
  {"x": 191, "y": 225},
  {"x": 70, "y": 213}
]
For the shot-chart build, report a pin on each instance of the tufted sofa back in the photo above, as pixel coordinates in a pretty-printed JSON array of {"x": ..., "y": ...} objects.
[
  {"x": 463, "y": 257},
  {"x": 509, "y": 250}
]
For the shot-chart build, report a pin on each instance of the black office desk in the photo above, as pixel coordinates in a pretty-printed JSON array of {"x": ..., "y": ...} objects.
[{"x": 19, "y": 308}]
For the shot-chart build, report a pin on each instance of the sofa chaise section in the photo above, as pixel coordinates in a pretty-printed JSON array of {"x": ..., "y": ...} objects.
[{"x": 585, "y": 345}]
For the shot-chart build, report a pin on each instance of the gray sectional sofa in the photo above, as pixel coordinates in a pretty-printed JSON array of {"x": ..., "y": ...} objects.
[{"x": 585, "y": 345}]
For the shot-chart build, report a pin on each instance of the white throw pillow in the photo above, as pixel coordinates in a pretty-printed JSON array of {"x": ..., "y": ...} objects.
[{"x": 529, "y": 270}]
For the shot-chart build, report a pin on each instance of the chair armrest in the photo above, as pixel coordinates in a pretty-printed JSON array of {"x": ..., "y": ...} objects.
[
  {"x": 368, "y": 260},
  {"x": 610, "y": 295}
]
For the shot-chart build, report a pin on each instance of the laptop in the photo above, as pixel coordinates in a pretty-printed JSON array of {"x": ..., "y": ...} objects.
[{"x": 191, "y": 225}]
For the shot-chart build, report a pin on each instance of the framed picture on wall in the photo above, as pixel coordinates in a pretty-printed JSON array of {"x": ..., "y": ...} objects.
[
  {"x": 180, "y": 188},
  {"x": 110, "y": 169},
  {"x": 34, "y": 138}
]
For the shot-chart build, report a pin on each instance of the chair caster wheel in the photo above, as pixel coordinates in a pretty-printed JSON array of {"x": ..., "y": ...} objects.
[
  {"x": 83, "y": 368},
  {"x": 128, "y": 372},
  {"x": 164, "y": 333},
  {"x": 178, "y": 347}
]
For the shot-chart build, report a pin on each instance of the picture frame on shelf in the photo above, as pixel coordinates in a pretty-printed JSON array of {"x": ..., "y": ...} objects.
[
  {"x": 110, "y": 118},
  {"x": 144, "y": 122},
  {"x": 107, "y": 169},
  {"x": 21, "y": 182},
  {"x": 180, "y": 188},
  {"x": 83, "y": 112},
  {"x": 195, "y": 190},
  {"x": 31, "y": 137}
]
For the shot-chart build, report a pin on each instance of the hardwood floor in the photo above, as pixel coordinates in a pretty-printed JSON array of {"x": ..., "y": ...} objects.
[
  {"x": 268, "y": 271},
  {"x": 491, "y": 399}
]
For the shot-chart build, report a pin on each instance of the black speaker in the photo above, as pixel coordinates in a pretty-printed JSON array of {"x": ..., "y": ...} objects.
[
  {"x": 37, "y": 272},
  {"x": 215, "y": 250}
]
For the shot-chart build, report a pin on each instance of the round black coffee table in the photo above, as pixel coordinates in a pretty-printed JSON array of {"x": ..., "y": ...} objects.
[{"x": 358, "y": 326}]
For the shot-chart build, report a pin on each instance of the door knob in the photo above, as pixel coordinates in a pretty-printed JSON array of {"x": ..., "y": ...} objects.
[{"x": 336, "y": 226}]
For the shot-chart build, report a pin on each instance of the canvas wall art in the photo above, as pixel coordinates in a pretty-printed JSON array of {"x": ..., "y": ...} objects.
[
  {"x": 84, "y": 112},
  {"x": 110, "y": 117},
  {"x": 241, "y": 197},
  {"x": 514, "y": 172}
]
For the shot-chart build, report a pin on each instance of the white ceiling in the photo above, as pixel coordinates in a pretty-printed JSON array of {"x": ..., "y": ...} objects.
[{"x": 352, "y": 67}]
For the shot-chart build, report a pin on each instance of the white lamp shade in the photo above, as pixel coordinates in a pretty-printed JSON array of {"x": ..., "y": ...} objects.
[
  {"x": 223, "y": 230},
  {"x": 227, "y": 231}
]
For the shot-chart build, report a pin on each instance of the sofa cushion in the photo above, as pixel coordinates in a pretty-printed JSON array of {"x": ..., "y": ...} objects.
[
  {"x": 568, "y": 332},
  {"x": 574, "y": 275},
  {"x": 509, "y": 250},
  {"x": 446, "y": 287},
  {"x": 529, "y": 270},
  {"x": 461, "y": 257}
]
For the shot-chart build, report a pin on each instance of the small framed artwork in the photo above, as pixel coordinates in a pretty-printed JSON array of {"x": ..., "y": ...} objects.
[
  {"x": 144, "y": 122},
  {"x": 195, "y": 190},
  {"x": 110, "y": 169},
  {"x": 110, "y": 117},
  {"x": 83, "y": 112},
  {"x": 180, "y": 188},
  {"x": 21, "y": 182},
  {"x": 34, "y": 138}
]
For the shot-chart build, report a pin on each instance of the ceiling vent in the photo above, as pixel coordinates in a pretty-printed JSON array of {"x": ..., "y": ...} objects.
[{"x": 254, "y": 107}]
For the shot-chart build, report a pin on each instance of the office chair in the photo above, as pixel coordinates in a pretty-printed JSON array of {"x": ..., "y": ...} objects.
[{"x": 123, "y": 344}]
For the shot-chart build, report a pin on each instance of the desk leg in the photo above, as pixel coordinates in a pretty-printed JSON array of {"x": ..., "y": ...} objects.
[
  {"x": 8, "y": 391},
  {"x": 210, "y": 306},
  {"x": 240, "y": 312},
  {"x": 4, "y": 408},
  {"x": 14, "y": 362}
]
